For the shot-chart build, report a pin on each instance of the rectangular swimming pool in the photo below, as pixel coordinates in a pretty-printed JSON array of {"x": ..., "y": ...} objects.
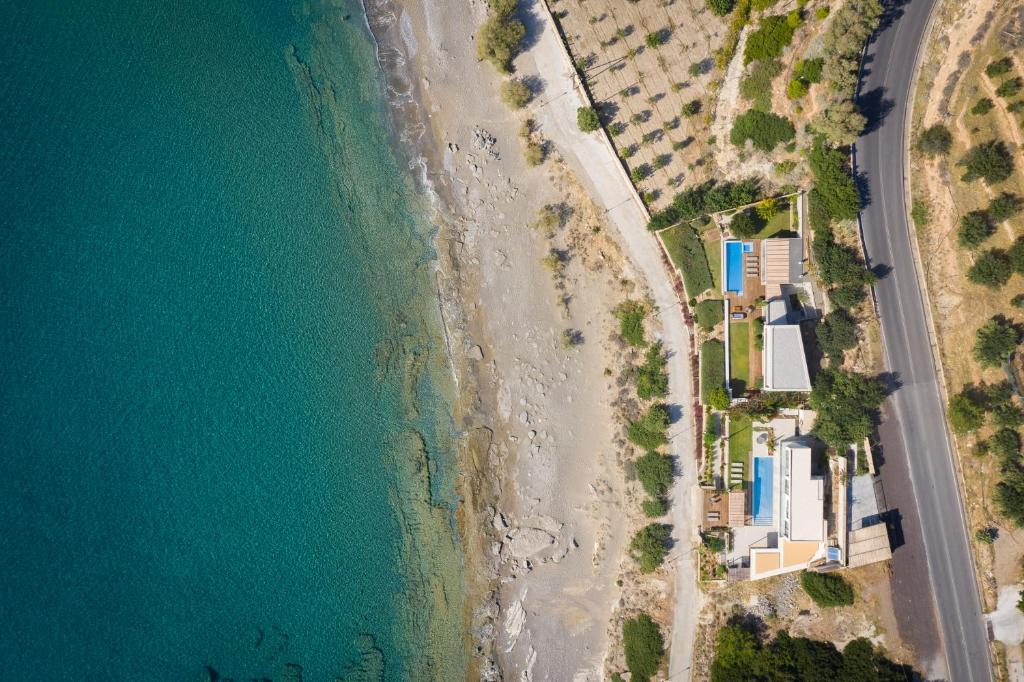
[
  {"x": 734, "y": 267},
  {"x": 762, "y": 495}
]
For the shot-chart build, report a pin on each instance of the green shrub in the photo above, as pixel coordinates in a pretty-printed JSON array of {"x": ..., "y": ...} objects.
[
  {"x": 757, "y": 86},
  {"x": 649, "y": 546},
  {"x": 721, "y": 7},
  {"x": 761, "y": 5},
  {"x": 982, "y": 106},
  {"x": 587, "y": 119},
  {"x": 935, "y": 140},
  {"x": 746, "y": 224},
  {"x": 965, "y": 414},
  {"x": 769, "y": 40},
  {"x": 919, "y": 213},
  {"x": 827, "y": 589},
  {"x": 985, "y": 536},
  {"x": 759, "y": 334},
  {"x": 651, "y": 379},
  {"x": 834, "y": 186},
  {"x": 794, "y": 18},
  {"x": 650, "y": 431},
  {"x": 1005, "y": 444},
  {"x": 992, "y": 269},
  {"x": 763, "y": 129},
  {"x": 975, "y": 228},
  {"x": 709, "y": 313},
  {"x": 499, "y": 37},
  {"x": 655, "y": 508},
  {"x": 821, "y": 13},
  {"x": 838, "y": 264},
  {"x": 534, "y": 153},
  {"x": 631, "y": 316},
  {"x": 653, "y": 40},
  {"x": 691, "y": 108},
  {"x": 995, "y": 341},
  {"x": 848, "y": 295},
  {"x": 796, "y": 89},
  {"x": 999, "y": 67},
  {"x": 837, "y": 333},
  {"x": 515, "y": 94},
  {"x": 846, "y": 403},
  {"x": 718, "y": 398},
  {"x": 808, "y": 70},
  {"x": 1004, "y": 207},
  {"x": 1010, "y": 87},
  {"x": 712, "y": 368},
  {"x": 644, "y": 647},
  {"x": 654, "y": 471}
]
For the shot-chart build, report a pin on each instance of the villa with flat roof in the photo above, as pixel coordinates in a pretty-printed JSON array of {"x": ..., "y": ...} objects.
[{"x": 764, "y": 283}]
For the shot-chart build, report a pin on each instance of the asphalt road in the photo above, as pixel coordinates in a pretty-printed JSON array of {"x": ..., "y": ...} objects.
[{"x": 917, "y": 472}]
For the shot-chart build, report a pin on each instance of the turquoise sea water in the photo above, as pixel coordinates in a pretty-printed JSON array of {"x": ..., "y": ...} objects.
[{"x": 222, "y": 385}]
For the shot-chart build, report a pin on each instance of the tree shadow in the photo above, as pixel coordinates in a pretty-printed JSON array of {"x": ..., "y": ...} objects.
[
  {"x": 531, "y": 13},
  {"x": 875, "y": 108}
]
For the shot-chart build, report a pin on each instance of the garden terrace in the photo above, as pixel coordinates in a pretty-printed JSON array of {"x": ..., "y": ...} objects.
[{"x": 649, "y": 66}]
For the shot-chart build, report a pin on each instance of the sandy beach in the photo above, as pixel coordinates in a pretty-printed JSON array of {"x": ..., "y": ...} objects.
[{"x": 548, "y": 511}]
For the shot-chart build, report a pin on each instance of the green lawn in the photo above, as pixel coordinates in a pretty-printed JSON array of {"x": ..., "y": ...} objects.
[
  {"x": 685, "y": 249},
  {"x": 740, "y": 443},
  {"x": 713, "y": 251},
  {"x": 779, "y": 223},
  {"x": 739, "y": 357}
]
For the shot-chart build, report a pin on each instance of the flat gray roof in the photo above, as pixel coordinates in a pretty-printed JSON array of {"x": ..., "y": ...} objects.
[{"x": 785, "y": 364}]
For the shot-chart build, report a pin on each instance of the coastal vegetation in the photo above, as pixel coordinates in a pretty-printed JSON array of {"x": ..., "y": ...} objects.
[
  {"x": 655, "y": 473},
  {"x": 499, "y": 37},
  {"x": 741, "y": 655},
  {"x": 650, "y": 430},
  {"x": 644, "y": 647},
  {"x": 770, "y": 39},
  {"x": 650, "y": 545},
  {"x": 515, "y": 93},
  {"x": 651, "y": 378},
  {"x": 631, "y": 315},
  {"x": 764, "y": 130},
  {"x": 827, "y": 589}
]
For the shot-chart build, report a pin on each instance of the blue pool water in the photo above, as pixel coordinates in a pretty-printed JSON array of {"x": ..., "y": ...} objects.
[
  {"x": 734, "y": 267},
  {"x": 762, "y": 494}
]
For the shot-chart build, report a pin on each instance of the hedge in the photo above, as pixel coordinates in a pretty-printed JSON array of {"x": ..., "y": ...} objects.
[
  {"x": 712, "y": 367},
  {"x": 827, "y": 589}
]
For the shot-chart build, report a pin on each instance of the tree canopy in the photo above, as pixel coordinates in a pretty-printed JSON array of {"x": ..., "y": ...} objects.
[
  {"x": 764, "y": 130},
  {"x": 846, "y": 403},
  {"x": 990, "y": 161},
  {"x": 995, "y": 341},
  {"x": 741, "y": 656}
]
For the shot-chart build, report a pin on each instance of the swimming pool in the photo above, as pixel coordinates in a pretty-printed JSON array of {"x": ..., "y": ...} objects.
[
  {"x": 734, "y": 267},
  {"x": 762, "y": 495}
]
